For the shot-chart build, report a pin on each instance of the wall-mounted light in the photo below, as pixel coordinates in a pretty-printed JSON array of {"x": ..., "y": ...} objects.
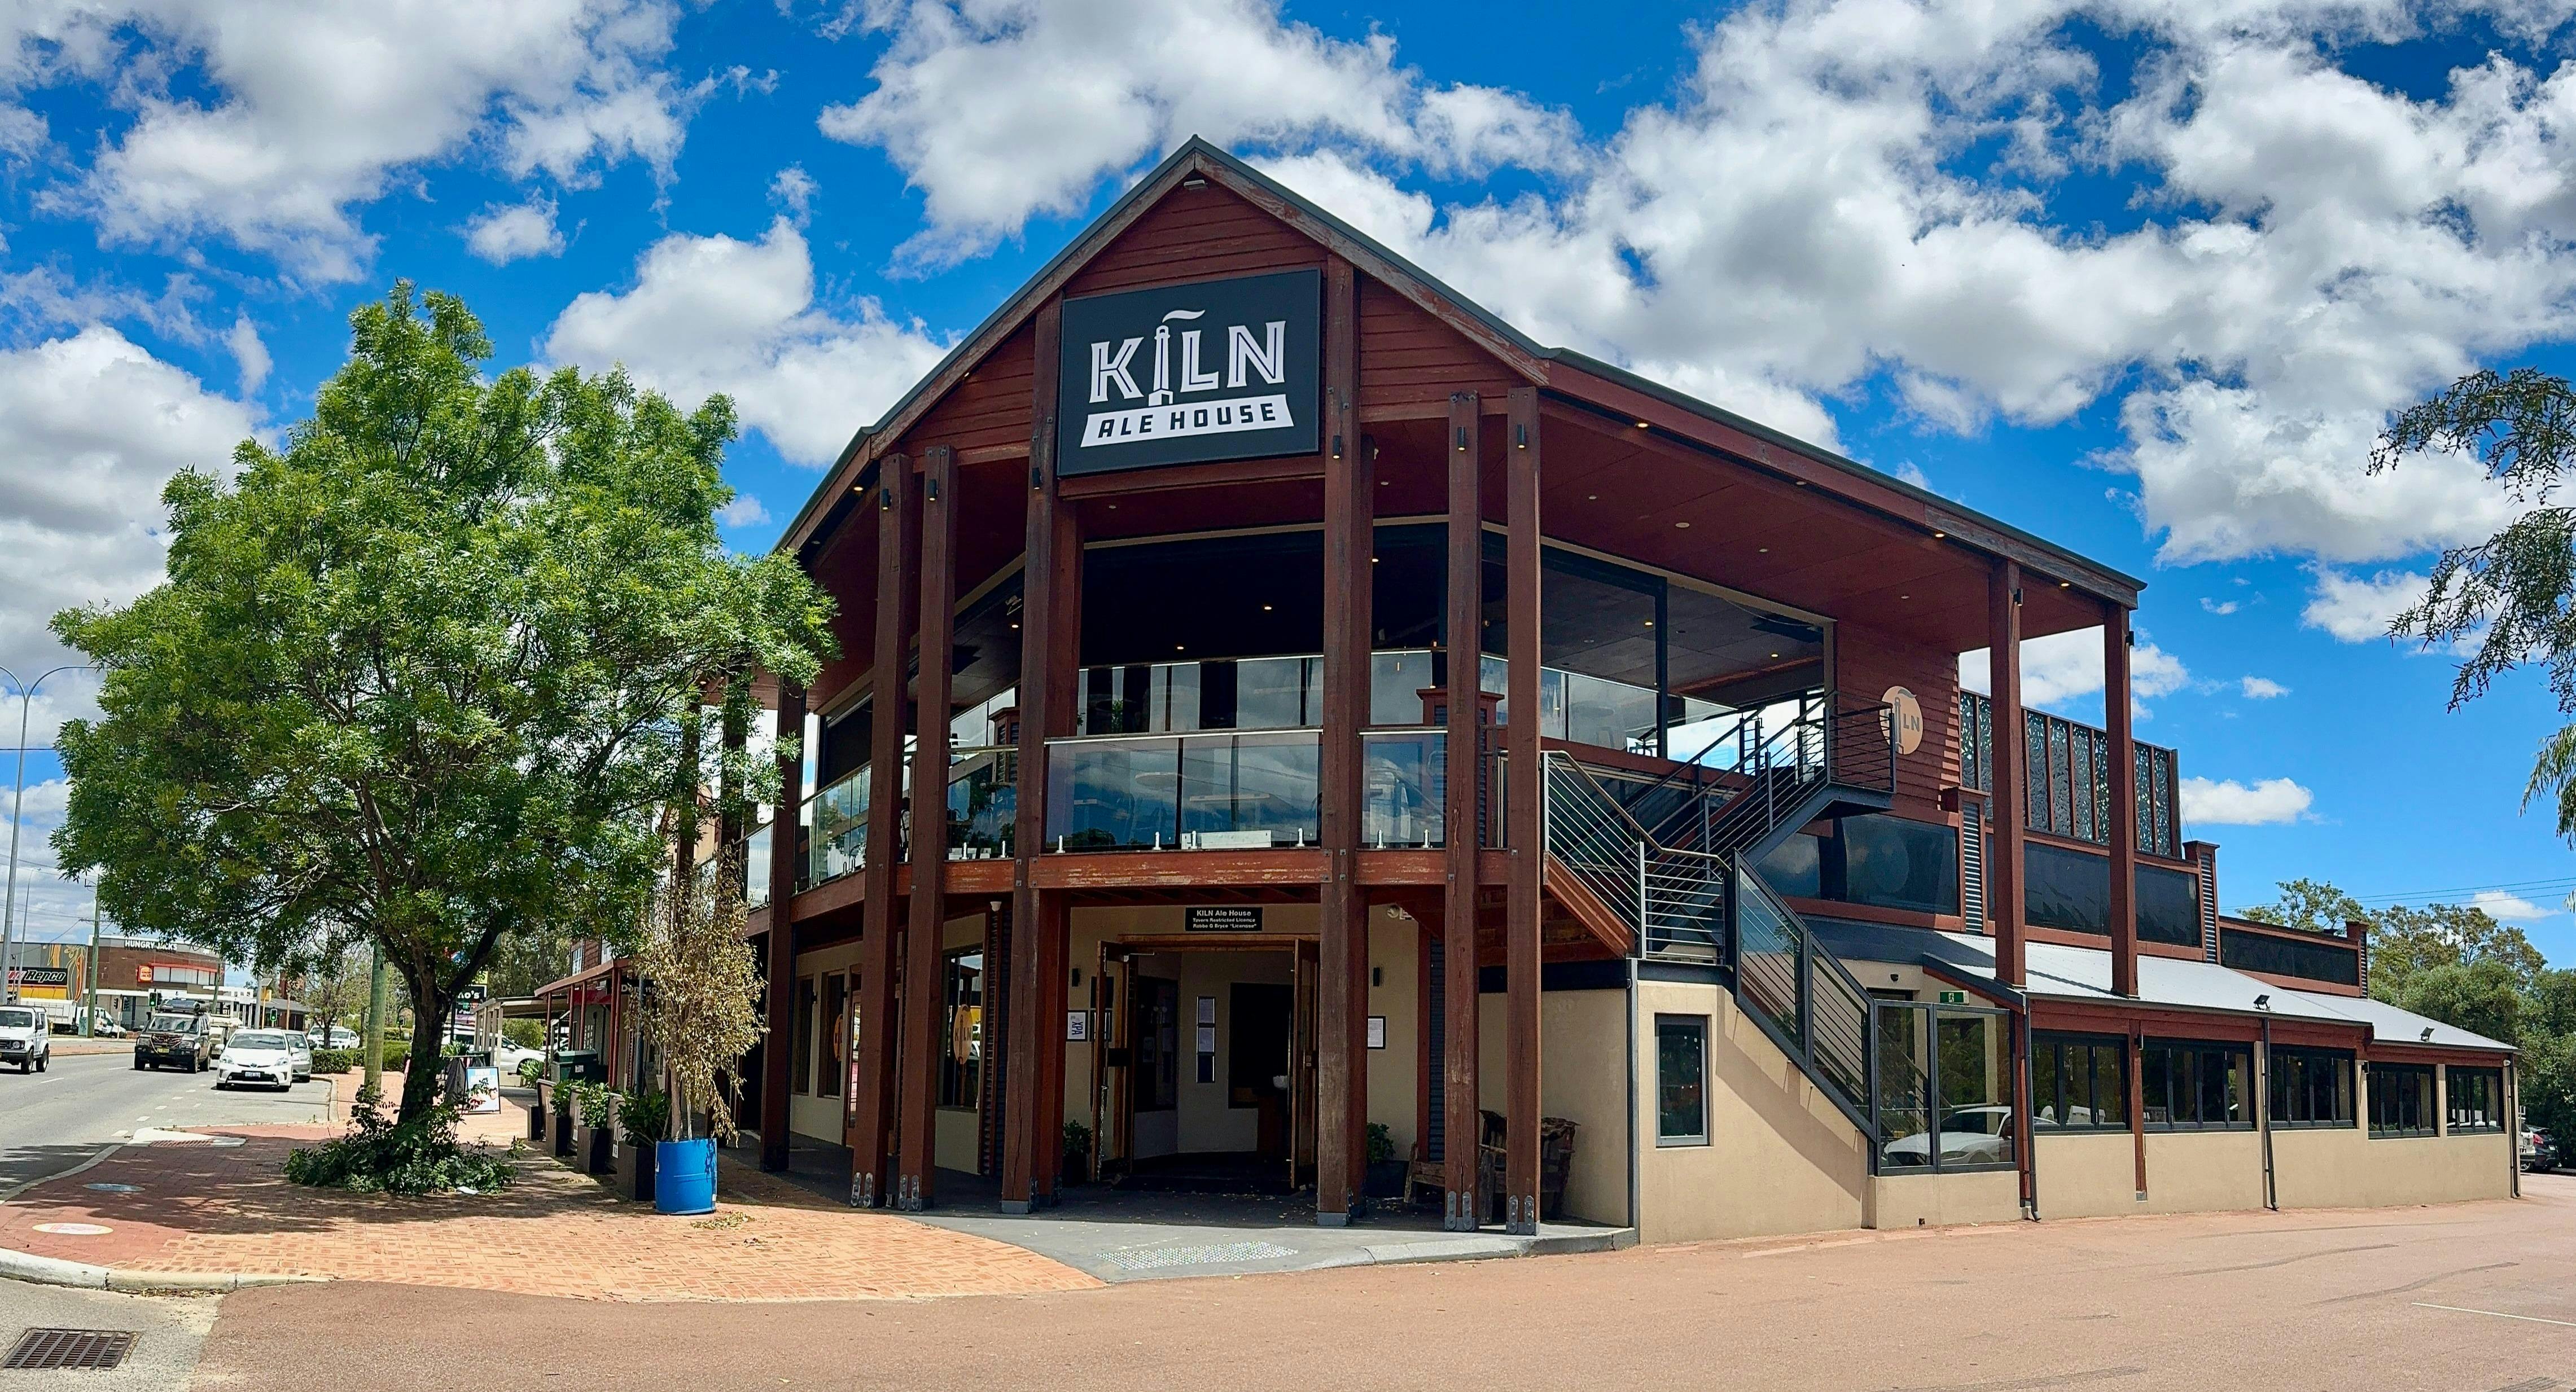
[
  {"x": 2428, "y": 1034},
  {"x": 1337, "y": 447},
  {"x": 1077, "y": 976},
  {"x": 1377, "y": 976},
  {"x": 1520, "y": 436},
  {"x": 1462, "y": 439},
  {"x": 1194, "y": 182},
  {"x": 2263, "y": 1001},
  {"x": 933, "y": 481},
  {"x": 885, "y": 500}
]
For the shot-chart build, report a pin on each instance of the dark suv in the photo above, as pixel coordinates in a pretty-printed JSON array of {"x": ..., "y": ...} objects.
[{"x": 180, "y": 1039}]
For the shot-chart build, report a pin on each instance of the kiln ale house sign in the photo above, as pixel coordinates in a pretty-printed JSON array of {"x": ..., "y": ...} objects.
[{"x": 1191, "y": 374}]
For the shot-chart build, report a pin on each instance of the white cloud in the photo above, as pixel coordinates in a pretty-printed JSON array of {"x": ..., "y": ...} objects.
[
  {"x": 1845, "y": 191},
  {"x": 2230, "y": 803},
  {"x": 507, "y": 232},
  {"x": 1000, "y": 110},
  {"x": 2059, "y": 670},
  {"x": 2263, "y": 689},
  {"x": 269, "y": 125},
  {"x": 2220, "y": 608},
  {"x": 93, "y": 426},
  {"x": 249, "y": 354},
  {"x": 716, "y": 314},
  {"x": 793, "y": 189},
  {"x": 2508, "y": 908},
  {"x": 744, "y": 511},
  {"x": 2356, "y": 609}
]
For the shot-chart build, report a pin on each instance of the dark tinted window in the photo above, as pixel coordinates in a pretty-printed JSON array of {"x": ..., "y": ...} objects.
[
  {"x": 2401, "y": 1099},
  {"x": 2325, "y": 959},
  {"x": 2477, "y": 1099},
  {"x": 1681, "y": 1079},
  {"x": 2078, "y": 1082},
  {"x": 2190, "y": 1085},
  {"x": 2311, "y": 1087},
  {"x": 2168, "y": 906},
  {"x": 2067, "y": 889},
  {"x": 1894, "y": 863}
]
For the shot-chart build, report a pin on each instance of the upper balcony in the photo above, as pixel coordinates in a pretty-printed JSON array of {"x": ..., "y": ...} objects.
[{"x": 2067, "y": 776}]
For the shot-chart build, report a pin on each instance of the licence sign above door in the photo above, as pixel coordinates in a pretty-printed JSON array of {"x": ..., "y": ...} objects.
[{"x": 1191, "y": 374}]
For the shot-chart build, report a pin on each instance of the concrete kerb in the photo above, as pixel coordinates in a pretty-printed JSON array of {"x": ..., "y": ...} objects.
[{"x": 55, "y": 1271}]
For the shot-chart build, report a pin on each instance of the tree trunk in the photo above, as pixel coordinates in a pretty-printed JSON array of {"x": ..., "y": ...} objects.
[{"x": 421, "y": 1076}]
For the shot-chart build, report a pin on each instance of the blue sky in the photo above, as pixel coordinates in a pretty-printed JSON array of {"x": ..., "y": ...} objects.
[{"x": 2144, "y": 278}]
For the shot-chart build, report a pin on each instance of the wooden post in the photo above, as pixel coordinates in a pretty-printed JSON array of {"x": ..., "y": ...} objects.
[
  {"x": 1341, "y": 1063},
  {"x": 925, "y": 988},
  {"x": 898, "y": 575},
  {"x": 2124, "y": 800},
  {"x": 1464, "y": 1128},
  {"x": 1055, "y": 923},
  {"x": 778, "y": 1049},
  {"x": 1020, "y": 1110},
  {"x": 2011, "y": 789},
  {"x": 1521, "y": 812}
]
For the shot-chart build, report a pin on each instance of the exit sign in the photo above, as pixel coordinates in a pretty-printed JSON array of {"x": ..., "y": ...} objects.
[{"x": 1954, "y": 998}]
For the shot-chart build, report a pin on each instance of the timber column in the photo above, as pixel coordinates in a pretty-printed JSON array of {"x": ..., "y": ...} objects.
[
  {"x": 2124, "y": 799},
  {"x": 1463, "y": 1128},
  {"x": 925, "y": 984},
  {"x": 2011, "y": 790},
  {"x": 898, "y": 574},
  {"x": 778, "y": 1047},
  {"x": 1341, "y": 1063},
  {"x": 1035, "y": 1041},
  {"x": 1521, "y": 821}
]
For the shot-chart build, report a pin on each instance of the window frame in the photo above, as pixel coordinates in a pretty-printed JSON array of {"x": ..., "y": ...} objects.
[
  {"x": 801, "y": 1078},
  {"x": 2064, "y": 1047},
  {"x": 2293, "y": 1098},
  {"x": 959, "y": 1079},
  {"x": 2421, "y": 1079},
  {"x": 1698, "y": 1025},
  {"x": 2493, "y": 1081},
  {"x": 2163, "y": 1052}
]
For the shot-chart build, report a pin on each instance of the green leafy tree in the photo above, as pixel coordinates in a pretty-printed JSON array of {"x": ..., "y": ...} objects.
[
  {"x": 2481, "y": 997},
  {"x": 2405, "y": 942},
  {"x": 418, "y": 671},
  {"x": 2310, "y": 904},
  {"x": 2509, "y": 600},
  {"x": 334, "y": 989}
]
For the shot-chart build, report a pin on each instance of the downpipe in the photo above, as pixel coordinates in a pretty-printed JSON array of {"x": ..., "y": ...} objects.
[{"x": 2263, "y": 1119}]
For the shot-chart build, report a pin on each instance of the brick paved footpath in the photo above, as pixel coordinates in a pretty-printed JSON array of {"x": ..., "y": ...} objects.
[{"x": 208, "y": 1208}]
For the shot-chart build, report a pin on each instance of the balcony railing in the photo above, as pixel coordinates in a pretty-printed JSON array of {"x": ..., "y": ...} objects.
[
  {"x": 1229, "y": 791},
  {"x": 2067, "y": 776}
]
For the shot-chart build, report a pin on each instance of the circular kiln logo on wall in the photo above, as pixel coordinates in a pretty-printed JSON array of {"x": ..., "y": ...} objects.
[{"x": 1907, "y": 715}]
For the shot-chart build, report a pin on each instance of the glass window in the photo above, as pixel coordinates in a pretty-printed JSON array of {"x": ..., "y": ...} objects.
[
  {"x": 2401, "y": 1099},
  {"x": 961, "y": 1060},
  {"x": 2325, "y": 959},
  {"x": 2066, "y": 889},
  {"x": 1893, "y": 863},
  {"x": 804, "y": 1068},
  {"x": 2477, "y": 1098},
  {"x": 2168, "y": 906},
  {"x": 1681, "y": 1080},
  {"x": 1975, "y": 1092},
  {"x": 2078, "y": 1083},
  {"x": 2311, "y": 1087},
  {"x": 2190, "y": 1085}
]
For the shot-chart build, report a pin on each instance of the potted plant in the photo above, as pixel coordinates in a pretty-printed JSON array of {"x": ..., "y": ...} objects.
[
  {"x": 1385, "y": 1168},
  {"x": 645, "y": 1118},
  {"x": 1077, "y": 1151},
  {"x": 599, "y": 1114},
  {"x": 700, "y": 1000}
]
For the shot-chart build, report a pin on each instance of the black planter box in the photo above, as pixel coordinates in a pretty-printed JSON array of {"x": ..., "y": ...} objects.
[
  {"x": 638, "y": 1174},
  {"x": 1385, "y": 1179},
  {"x": 599, "y": 1156}
]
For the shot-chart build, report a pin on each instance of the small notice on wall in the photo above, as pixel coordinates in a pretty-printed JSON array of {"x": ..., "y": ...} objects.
[
  {"x": 1207, "y": 1010},
  {"x": 1077, "y": 1026},
  {"x": 1207, "y": 1039},
  {"x": 1377, "y": 1031},
  {"x": 1222, "y": 918}
]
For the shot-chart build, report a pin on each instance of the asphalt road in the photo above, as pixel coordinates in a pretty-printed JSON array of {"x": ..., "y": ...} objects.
[
  {"x": 53, "y": 1120},
  {"x": 2465, "y": 1298}
]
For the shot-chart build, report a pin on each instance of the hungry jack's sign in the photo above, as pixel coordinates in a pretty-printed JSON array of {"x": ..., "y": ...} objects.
[{"x": 1190, "y": 374}]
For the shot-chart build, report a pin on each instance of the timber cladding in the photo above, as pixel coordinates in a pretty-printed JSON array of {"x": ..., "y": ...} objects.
[{"x": 1867, "y": 662}]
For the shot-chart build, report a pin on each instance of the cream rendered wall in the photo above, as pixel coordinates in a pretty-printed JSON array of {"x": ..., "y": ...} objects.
[
  {"x": 2343, "y": 1167},
  {"x": 817, "y": 1116},
  {"x": 1944, "y": 1200},
  {"x": 2203, "y": 1171},
  {"x": 2090, "y": 1174},
  {"x": 1781, "y": 1158},
  {"x": 1395, "y": 951},
  {"x": 1582, "y": 1077},
  {"x": 2095, "y": 1174}
]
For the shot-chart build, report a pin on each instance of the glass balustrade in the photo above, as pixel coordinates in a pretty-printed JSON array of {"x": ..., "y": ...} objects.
[
  {"x": 983, "y": 802},
  {"x": 836, "y": 841},
  {"x": 755, "y": 868},
  {"x": 1189, "y": 792},
  {"x": 1403, "y": 784}
]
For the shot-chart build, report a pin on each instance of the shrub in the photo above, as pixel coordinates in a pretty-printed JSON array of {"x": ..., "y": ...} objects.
[
  {"x": 644, "y": 1117},
  {"x": 527, "y": 1034},
  {"x": 397, "y": 1056},
  {"x": 1381, "y": 1143},
  {"x": 336, "y": 1060},
  {"x": 530, "y": 1070},
  {"x": 380, "y": 1155}
]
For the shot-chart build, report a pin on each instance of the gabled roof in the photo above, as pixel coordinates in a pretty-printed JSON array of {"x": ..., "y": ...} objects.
[{"x": 1571, "y": 373}]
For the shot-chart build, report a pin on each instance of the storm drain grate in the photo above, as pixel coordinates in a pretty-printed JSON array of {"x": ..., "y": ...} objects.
[{"x": 71, "y": 1348}]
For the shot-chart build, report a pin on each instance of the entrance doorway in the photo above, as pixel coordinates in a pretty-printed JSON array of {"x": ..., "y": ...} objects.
[{"x": 1204, "y": 1062}]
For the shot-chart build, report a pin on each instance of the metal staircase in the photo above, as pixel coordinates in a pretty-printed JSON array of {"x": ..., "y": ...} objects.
[{"x": 1684, "y": 885}]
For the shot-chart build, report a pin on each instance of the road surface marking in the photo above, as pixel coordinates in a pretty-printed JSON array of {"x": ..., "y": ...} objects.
[
  {"x": 2499, "y": 1314},
  {"x": 74, "y": 1229}
]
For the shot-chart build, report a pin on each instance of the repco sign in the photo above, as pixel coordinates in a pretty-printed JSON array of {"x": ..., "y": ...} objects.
[{"x": 1190, "y": 374}]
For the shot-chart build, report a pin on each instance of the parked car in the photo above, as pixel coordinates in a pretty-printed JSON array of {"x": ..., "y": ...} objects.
[
  {"x": 2537, "y": 1151},
  {"x": 302, "y": 1049},
  {"x": 507, "y": 1057},
  {"x": 266, "y": 1057},
  {"x": 1968, "y": 1136},
  {"x": 174, "y": 1038},
  {"x": 25, "y": 1039},
  {"x": 340, "y": 1037}
]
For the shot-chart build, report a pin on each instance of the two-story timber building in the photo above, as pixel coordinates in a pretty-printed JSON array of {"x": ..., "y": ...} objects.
[{"x": 1164, "y": 585}]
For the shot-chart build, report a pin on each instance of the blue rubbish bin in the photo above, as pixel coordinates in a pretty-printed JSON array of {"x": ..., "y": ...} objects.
[{"x": 684, "y": 1176}]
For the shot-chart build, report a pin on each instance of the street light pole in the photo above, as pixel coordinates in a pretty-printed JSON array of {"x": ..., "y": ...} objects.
[
  {"x": 17, "y": 802},
  {"x": 89, "y": 975}
]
